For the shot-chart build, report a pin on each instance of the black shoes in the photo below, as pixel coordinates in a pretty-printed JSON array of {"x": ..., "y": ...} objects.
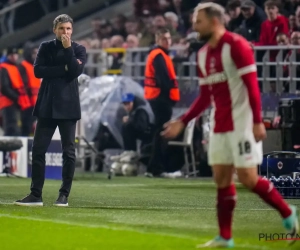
[
  {"x": 30, "y": 201},
  {"x": 62, "y": 201}
]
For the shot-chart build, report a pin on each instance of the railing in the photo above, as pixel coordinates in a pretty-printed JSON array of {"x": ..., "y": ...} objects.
[
  {"x": 278, "y": 71},
  {"x": 13, "y": 6}
]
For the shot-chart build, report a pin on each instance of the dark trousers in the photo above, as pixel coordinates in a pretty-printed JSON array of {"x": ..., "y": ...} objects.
[
  {"x": 158, "y": 160},
  {"x": 43, "y": 134},
  {"x": 130, "y": 136},
  {"x": 10, "y": 121},
  {"x": 11, "y": 117},
  {"x": 27, "y": 121}
]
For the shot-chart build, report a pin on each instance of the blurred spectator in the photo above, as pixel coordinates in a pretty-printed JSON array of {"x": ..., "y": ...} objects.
[
  {"x": 159, "y": 21},
  {"x": 282, "y": 39},
  {"x": 173, "y": 21},
  {"x": 132, "y": 26},
  {"x": 105, "y": 43},
  {"x": 292, "y": 24},
  {"x": 119, "y": 25},
  {"x": 94, "y": 44},
  {"x": 297, "y": 16},
  {"x": 96, "y": 26},
  {"x": 116, "y": 41},
  {"x": 274, "y": 25},
  {"x": 147, "y": 35},
  {"x": 142, "y": 7},
  {"x": 132, "y": 41},
  {"x": 295, "y": 40},
  {"x": 234, "y": 11},
  {"x": 254, "y": 17},
  {"x": 102, "y": 28},
  {"x": 85, "y": 43},
  {"x": 290, "y": 6},
  {"x": 14, "y": 97},
  {"x": 32, "y": 85}
]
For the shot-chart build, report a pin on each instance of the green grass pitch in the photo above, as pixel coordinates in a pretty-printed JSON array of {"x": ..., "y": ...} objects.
[{"x": 130, "y": 214}]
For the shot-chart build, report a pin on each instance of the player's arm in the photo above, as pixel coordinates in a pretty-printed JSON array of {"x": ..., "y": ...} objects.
[
  {"x": 246, "y": 67},
  {"x": 43, "y": 71},
  {"x": 200, "y": 104}
]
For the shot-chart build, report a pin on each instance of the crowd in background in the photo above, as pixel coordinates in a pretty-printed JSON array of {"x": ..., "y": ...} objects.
[{"x": 242, "y": 16}]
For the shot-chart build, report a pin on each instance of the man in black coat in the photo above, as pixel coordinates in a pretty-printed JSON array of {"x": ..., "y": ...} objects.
[{"x": 59, "y": 62}]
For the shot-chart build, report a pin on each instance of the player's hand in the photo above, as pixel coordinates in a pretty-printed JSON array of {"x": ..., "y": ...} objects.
[
  {"x": 172, "y": 129},
  {"x": 80, "y": 62},
  {"x": 259, "y": 131},
  {"x": 66, "y": 41}
]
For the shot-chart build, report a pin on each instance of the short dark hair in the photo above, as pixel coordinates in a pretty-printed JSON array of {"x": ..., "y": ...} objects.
[
  {"x": 161, "y": 31},
  {"x": 233, "y": 4},
  {"x": 63, "y": 18},
  {"x": 272, "y": 3}
]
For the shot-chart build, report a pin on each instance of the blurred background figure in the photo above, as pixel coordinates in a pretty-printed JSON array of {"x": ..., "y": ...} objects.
[
  {"x": 32, "y": 85},
  {"x": 14, "y": 98}
]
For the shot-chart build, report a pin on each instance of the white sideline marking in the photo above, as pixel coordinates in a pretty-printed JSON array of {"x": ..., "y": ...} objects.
[
  {"x": 199, "y": 184},
  {"x": 154, "y": 208},
  {"x": 165, "y": 208},
  {"x": 180, "y": 236}
]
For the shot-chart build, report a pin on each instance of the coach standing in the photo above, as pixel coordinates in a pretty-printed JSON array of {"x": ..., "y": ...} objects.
[{"x": 59, "y": 62}]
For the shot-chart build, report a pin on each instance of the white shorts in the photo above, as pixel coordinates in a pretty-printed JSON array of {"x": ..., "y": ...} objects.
[{"x": 237, "y": 148}]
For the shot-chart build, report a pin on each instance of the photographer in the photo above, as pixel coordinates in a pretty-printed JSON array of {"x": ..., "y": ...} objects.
[{"x": 138, "y": 125}]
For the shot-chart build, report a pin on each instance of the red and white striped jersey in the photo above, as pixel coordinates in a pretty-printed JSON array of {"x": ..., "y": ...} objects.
[{"x": 228, "y": 81}]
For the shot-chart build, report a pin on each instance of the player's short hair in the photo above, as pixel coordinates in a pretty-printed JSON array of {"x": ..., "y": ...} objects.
[
  {"x": 160, "y": 32},
  {"x": 212, "y": 10},
  {"x": 63, "y": 18},
  {"x": 272, "y": 3}
]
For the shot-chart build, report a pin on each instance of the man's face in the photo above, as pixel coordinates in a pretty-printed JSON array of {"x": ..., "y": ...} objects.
[
  {"x": 292, "y": 21},
  {"x": 272, "y": 12},
  {"x": 128, "y": 106},
  {"x": 203, "y": 25},
  {"x": 34, "y": 54},
  {"x": 248, "y": 12},
  {"x": 13, "y": 57},
  {"x": 132, "y": 41},
  {"x": 282, "y": 40},
  {"x": 295, "y": 38},
  {"x": 173, "y": 23},
  {"x": 63, "y": 29},
  {"x": 234, "y": 13},
  {"x": 159, "y": 22},
  {"x": 131, "y": 27},
  {"x": 165, "y": 40}
]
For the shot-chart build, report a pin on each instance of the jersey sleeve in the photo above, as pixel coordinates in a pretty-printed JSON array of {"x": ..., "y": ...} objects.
[
  {"x": 243, "y": 58},
  {"x": 201, "y": 102}
]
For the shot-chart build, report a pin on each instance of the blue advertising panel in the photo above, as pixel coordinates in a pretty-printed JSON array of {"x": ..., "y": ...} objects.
[{"x": 54, "y": 160}]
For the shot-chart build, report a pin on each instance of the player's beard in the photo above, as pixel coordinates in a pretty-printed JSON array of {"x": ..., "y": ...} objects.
[{"x": 206, "y": 37}]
